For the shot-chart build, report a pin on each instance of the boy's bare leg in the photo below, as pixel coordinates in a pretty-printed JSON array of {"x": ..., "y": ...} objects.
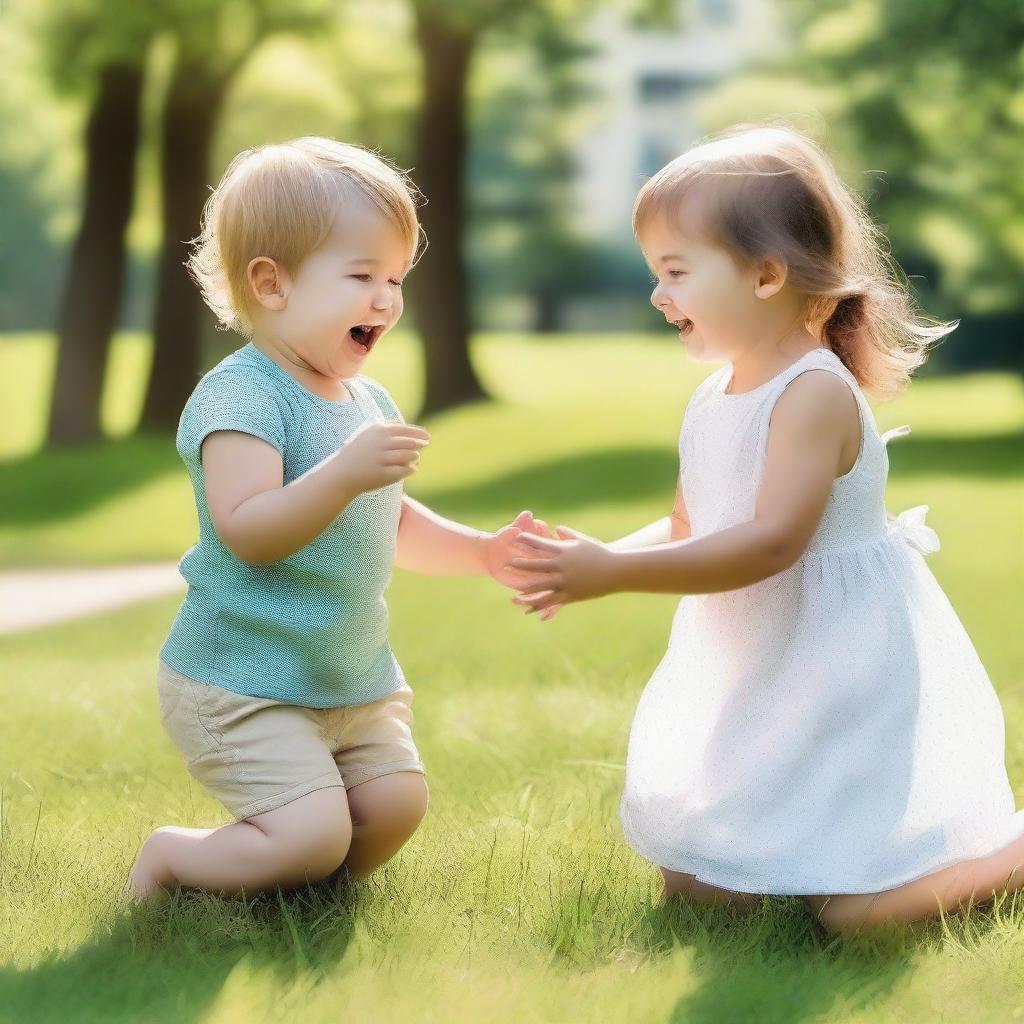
[
  {"x": 385, "y": 812},
  {"x": 951, "y": 889},
  {"x": 687, "y": 886},
  {"x": 301, "y": 842}
]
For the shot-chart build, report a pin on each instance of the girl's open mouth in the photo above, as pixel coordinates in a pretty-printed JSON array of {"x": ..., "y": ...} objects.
[
  {"x": 685, "y": 326},
  {"x": 366, "y": 335}
]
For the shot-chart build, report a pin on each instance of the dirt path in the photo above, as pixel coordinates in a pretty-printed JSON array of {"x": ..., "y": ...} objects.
[{"x": 38, "y": 597}]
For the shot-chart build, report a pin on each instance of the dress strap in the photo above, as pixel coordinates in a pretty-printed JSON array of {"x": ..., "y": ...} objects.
[{"x": 891, "y": 435}]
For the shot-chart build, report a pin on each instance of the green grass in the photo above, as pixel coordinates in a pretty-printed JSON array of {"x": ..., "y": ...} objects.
[{"x": 517, "y": 900}]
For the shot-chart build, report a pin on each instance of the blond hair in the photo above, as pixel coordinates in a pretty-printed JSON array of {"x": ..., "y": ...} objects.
[
  {"x": 280, "y": 201},
  {"x": 768, "y": 190}
]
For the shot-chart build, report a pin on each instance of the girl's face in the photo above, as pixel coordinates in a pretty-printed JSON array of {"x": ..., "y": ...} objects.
[
  {"x": 700, "y": 290},
  {"x": 346, "y": 294}
]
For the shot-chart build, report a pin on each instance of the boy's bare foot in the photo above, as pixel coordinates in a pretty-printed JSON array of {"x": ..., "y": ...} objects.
[{"x": 147, "y": 879}]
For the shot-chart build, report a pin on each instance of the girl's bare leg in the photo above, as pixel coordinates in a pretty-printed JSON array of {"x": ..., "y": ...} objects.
[
  {"x": 950, "y": 889},
  {"x": 688, "y": 887},
  {"x": 301, "y": 842}
]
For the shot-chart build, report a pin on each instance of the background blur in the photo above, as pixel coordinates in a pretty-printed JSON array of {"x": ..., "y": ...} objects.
[{"x": 529, "y": 125}]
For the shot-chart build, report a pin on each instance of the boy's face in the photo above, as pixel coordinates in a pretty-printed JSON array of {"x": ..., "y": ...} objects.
[
  {"x": 346, "y": 294},
  {"x": 700, "y": 290}
]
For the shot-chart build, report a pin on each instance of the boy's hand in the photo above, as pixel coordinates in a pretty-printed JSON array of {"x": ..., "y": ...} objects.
[
  {"x": 574, "y": 568},
  {"x": 378, "y": 454},
  {"x": 499, "y": 548}
]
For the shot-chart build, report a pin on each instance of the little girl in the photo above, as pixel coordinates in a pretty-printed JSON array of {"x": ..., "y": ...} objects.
[
  {"x": 277, "y": 682},
  {"x": 820, "y": 724}
]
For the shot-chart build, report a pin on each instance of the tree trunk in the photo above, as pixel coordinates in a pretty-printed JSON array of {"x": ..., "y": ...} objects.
[
  {"x": 439, "y": 285},
  {"x": 190, "y": 115},
  {"x": 95, "y": 277}
]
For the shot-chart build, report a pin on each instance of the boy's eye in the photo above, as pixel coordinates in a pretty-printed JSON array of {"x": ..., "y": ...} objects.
[
  {"x": 369, "y": 277},
  {"x": 676, "y": 273}
]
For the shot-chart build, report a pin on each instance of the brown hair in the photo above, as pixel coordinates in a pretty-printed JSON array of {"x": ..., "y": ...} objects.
[
  {"x": 280, "y": 201},
  {"x": 770, "y": 191}
]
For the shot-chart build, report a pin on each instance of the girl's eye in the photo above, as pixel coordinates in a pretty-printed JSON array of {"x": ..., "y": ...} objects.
[
  {"x": 676, "y": 273},
  {"x": 360, "y": 277}
]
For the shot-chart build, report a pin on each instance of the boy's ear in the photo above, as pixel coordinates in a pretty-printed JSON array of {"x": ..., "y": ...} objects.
[
  {"x": 771, "y": 276},
  {"x": 268, "y": 282}
]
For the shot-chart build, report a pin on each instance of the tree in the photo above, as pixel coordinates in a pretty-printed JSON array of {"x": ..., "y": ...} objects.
[
  {"x": 213, "y": 42},
  {"x": 930, "y": 91},
  {"x": 448, "y": 33},
  {"x": 99, "y": 46}
]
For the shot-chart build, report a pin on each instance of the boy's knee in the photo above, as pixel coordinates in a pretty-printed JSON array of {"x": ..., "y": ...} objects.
[
  {"x": 391, "y": 809},
  {"x": 323, "y": 848},
  {"x": 311, "y": 835}
]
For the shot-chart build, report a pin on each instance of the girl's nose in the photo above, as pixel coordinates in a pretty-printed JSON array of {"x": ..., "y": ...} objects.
[
  {"x": 658, "y": 299},
  {"x": 383, "y": 299}
]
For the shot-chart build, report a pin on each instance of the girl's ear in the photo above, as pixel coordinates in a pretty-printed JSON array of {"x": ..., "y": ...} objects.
[
  {"x": 771, "y": 276},
  {"x": 268, "y": 283}
]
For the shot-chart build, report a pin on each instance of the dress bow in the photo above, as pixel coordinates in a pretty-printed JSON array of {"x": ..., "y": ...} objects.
[{"x": 910, "y": 525}]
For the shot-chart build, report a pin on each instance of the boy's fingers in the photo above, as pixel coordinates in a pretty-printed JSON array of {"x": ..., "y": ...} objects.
[
  {"x": 406, "y": 442},
  {"x": 407, "y": 429}
]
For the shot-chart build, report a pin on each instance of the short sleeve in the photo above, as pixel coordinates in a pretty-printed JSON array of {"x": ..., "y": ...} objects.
[
  {"x": 383, "y": 399},
  {"x": 229, "y": 399}
]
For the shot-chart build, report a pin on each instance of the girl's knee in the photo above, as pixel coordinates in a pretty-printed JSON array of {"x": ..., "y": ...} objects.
[
  {"x": 676, "y": 882},
  {"x": 841, "y": 915}
]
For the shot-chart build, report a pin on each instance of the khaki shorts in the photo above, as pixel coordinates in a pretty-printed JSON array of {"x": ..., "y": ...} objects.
[{"x": 255, "y": 755}]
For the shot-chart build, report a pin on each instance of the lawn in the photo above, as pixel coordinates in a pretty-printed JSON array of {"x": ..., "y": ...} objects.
[{"x": 517, "y": 900}]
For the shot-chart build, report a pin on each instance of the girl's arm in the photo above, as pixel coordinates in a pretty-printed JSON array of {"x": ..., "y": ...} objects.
[
  {"x": 261, "y": 520},
  {"x": 672, "y": 527},
  {"x": 812, "y": 424}
]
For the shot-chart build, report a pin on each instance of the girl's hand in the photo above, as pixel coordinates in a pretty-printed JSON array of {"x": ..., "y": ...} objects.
[
  {"x": 574, "y": 568},
  {"x": 499, "y": 548}
]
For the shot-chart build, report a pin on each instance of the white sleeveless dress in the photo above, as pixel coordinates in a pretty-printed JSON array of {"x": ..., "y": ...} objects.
[{"x": 829, "y": 729}]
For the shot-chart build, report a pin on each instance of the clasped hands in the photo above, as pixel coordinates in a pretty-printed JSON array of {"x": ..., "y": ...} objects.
[{"x": 548, "y": 568}]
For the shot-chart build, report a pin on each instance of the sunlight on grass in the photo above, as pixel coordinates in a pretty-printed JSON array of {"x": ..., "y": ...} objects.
[{"x": 517, "y": 900}]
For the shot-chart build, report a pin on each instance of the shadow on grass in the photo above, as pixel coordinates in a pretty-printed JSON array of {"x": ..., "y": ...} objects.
[
  {"x": 53, "y": 485},
  {"x": 629, "y": 474},
  {"x": 170, "y": 964},
  {"x": 50, "y": 486},
  {"x": 773, "y": 966},
  {"x": 777, "y": 966}
]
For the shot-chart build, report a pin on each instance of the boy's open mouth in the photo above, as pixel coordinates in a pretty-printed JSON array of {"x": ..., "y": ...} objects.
[
  {"x": 685, "y": 325},
  {"x": 366, "y": 334}
]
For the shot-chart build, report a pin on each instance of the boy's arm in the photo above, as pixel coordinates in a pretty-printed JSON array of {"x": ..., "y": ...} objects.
[
  {"x": 428, "y": 543},
  {"x": 431, "y": 544},
  {"x": 261, "y": 520}
]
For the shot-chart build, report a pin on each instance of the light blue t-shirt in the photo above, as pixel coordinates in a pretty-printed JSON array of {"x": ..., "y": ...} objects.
[{"x": 312, "y": 628}]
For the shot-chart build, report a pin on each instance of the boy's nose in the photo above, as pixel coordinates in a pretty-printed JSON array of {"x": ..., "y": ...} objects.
[{"x": 658, "y": 299}]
